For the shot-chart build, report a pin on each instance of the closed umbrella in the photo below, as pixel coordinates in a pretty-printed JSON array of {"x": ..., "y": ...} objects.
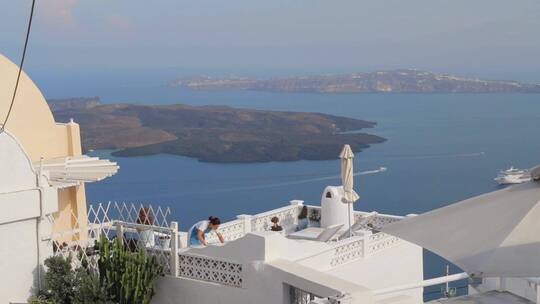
[{"x": 347, "y": 179}]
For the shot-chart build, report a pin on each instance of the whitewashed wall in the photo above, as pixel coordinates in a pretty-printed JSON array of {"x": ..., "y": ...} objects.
[{"x": 21, "y": 202}]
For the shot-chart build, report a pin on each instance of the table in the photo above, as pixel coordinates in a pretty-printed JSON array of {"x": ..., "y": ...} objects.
[{"x": 310, "y": 233}]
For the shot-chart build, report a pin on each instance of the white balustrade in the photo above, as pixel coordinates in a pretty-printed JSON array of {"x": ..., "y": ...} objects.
[
  {"x": 288, "y": 218},
  {"x": 347, "y": 250},
  {"x": 230, "y": 231},
  {"x": 380, "y": 241},
  {"x": 211, "y": 270}
]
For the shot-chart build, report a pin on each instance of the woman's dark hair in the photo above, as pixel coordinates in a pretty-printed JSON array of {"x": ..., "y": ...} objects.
[
  {"x": 303, "y": 213},
  {"x": 214, "y": 220},
  {"x": 274, "y": 220}
]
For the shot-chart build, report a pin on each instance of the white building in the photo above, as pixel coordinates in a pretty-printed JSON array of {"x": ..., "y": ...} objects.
[{"x": 26, "y": 199}]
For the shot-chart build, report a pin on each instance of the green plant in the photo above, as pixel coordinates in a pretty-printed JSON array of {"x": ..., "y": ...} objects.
[
  {"x": 65, "y": 286},
  {"x": 59, "y": 280},
  {"x": 129, "y": 277},
  {"x": 314, "y": 215},
  {"x": 88, "y": 289},
  {"x": 124, "y": 277},
  {"x": 40, "y": 300}
]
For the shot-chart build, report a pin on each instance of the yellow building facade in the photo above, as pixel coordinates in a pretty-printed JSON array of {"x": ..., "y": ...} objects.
[{"x": 32, "y": 123}]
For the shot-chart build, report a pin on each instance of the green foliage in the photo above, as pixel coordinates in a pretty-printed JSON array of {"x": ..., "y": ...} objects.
[
  {"x": 129, "y": 276},
  {"x": 88, "y": 289},
  {"x": 40, "y": 300},
  {"x": 59, "y": 280},
  {"x": 65, "y": 286},
  {"x": 124, "y": 277}
]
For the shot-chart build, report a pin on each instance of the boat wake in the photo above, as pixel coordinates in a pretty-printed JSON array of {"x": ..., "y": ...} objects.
[
  {"x": 435, "y": 156},
  {"x": 302, "y": 181}
]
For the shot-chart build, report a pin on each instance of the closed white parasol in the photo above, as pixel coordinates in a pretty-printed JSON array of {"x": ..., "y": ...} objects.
[
  {"x": 492, "y": 235},
  {"x": 347, "y": 179}
]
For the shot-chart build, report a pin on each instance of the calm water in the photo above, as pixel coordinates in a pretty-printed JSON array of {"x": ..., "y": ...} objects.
[{"x": 441, "y": 148}]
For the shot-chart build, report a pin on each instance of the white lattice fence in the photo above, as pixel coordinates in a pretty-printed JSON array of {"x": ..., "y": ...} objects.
[
  {"x": 140, "y": 226},
  {"x": 211, "y": 270}
]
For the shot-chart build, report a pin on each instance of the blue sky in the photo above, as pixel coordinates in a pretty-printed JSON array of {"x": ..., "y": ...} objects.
[{"x": 485, "y": 37}]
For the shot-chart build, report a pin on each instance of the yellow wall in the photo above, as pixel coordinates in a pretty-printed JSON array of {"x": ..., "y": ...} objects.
[{"x": 32, "y": 123}]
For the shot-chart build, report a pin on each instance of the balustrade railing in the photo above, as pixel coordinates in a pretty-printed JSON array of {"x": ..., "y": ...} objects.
[
  {"x": 347, "y": 250},
  {"x": 380, "y": 241},
  {"x": 230, "y": 231},
  {"x": 338, "y": 253},
  {"x": 210, "y": 269},
  {"x": 288, "y": 218}
]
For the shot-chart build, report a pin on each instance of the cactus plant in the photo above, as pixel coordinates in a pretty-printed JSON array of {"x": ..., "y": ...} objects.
[{"x": 130, "y": 275}]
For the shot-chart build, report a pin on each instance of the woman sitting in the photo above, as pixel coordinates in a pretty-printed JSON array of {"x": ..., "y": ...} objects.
[
  {"x": 198, "y": 232},
  {"x": 275, "y": 226},
  {"x": 303, "y": 221}
]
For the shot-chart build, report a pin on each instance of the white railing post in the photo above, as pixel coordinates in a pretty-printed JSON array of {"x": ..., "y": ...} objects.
[
  {"x": 366, "y": 243},
  {"x": 246, "y": 218},
  {"x": 119, "y": 231},
  {"x": 299, "y": 204},
  {"x": 174, "y": 249}
]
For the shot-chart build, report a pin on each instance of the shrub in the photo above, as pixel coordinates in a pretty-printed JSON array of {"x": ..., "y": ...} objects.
[
  {"x": 59, "y": 280},
  {"x": 40, "y": 300}
]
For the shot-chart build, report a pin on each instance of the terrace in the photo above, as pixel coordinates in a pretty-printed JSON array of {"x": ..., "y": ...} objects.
[{"x": 306, "y": 267}]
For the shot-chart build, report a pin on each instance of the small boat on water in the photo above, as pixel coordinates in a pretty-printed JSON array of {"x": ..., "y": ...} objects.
[{"x": 513, "y": 176}]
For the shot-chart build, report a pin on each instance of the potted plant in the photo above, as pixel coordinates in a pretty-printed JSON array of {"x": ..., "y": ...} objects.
[
  {"x": 146, "y": 235},
  {"x": 165, "y": 241},
  {"x": 314, "y": 217},
  {"x": 275, "y": 224}
]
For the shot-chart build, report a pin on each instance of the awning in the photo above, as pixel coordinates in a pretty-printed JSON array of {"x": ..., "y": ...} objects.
[
  {"x": 492, "y": 235},
  {"x": 74, "y": 170}
]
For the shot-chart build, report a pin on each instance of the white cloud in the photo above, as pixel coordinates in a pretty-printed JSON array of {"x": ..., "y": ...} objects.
[
  {"x": 57, "y": 12},
  {"x": 120, "y": 22}
]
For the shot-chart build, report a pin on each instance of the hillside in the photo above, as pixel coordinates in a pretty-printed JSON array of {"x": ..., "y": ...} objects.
[
  {"x": 398, "y": 81},
  {"x": 215, "y": 133}
]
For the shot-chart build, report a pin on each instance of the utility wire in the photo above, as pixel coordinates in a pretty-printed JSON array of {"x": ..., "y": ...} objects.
[{"x": 20, "y": 66}]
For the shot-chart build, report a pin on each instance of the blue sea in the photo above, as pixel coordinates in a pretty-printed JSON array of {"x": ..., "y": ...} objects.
[{"x": 441, "y": 148}]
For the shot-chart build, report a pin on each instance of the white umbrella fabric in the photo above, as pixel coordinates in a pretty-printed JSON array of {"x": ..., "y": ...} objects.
[
  {"x": 492, "y": 235},
  {"x": 73, "y": 170},
  {"x": 347, "y": 179}
]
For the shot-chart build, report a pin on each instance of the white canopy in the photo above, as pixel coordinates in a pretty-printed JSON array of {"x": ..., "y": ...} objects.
[
  {"x": 347, "y": 175},
  {"x": 491, "y": 235},
  {"x": 74, "y": 170}
]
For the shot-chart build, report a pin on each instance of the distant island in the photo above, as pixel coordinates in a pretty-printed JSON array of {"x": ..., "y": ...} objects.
[
  {"x": 398, "y": 81},
  {"x": 212, "y": 133}
]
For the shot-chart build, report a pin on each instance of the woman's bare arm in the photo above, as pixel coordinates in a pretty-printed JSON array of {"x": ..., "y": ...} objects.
[
  {"x": 200, "y": 237},
  {"x": 220, "y": 237}
]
